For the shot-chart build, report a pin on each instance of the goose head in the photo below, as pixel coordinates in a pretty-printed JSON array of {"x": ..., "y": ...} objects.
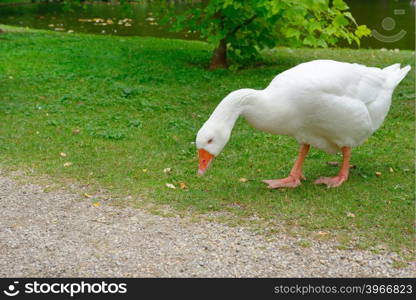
[{"x": 210, "y": 141}]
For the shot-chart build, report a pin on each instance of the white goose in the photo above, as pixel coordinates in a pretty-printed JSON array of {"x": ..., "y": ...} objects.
[{"x": 330, "y": 105}]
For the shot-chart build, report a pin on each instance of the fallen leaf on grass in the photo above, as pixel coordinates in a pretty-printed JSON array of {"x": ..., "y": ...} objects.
[
  {"x": 87, "y": 195},
  {"x": 63, "y": 154},
  {"x": 378, "y": 174},
  {"x": 144, "y": 170},
  {"x": 183, "y": 186},
  {"x": 350, "y": 215},
  {"x": 391, "y": 170},
  {"x": 167, "y": 170},
  {"x": 96, "y": 204},
  {"x": 76, "y": 131},
  {"x": 171, "y": 186},
  {"x": 322, "y": 233},
  {"x": 243, "y": 179},
  {"x": 67, "y": 164}
]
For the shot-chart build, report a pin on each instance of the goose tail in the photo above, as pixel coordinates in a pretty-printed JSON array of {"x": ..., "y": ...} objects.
[{"x": 395, "y": 74}]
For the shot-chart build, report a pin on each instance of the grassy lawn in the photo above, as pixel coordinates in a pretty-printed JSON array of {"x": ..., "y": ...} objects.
[{"x": 122, "y": 109}]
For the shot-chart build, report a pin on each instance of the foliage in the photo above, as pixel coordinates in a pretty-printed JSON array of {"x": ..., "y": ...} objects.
[{"x": 250, "y": 25}]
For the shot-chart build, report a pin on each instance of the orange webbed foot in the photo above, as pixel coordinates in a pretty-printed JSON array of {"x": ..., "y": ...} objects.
[
  {"x": 331, "y": 181},
  {"x": 288, "y": 182}
]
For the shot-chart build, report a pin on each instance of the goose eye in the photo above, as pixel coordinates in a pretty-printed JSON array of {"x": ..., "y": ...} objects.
[{"x": 209, "y": 141}]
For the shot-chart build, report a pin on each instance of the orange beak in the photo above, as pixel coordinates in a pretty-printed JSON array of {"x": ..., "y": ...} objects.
[{"x": 205, "y": 159}]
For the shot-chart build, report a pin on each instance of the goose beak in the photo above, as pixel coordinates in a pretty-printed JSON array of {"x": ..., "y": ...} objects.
[{"x": 205, "y": 159}]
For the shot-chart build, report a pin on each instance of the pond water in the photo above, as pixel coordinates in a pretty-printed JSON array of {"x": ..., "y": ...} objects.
[
  {"x": 98, "y": 18},
  {"x": 392, "y": 21}
]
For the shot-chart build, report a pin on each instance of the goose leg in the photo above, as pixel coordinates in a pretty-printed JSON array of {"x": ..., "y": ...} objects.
[
  {"x": 343, "y": 172},
  {"x": 295, "y": 175}
]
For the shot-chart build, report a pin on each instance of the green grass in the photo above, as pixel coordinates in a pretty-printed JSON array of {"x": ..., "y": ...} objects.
[{"x": 117, "y": 106}]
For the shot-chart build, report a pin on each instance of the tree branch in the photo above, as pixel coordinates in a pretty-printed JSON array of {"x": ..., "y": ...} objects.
[{"x": 245, "y": 23}]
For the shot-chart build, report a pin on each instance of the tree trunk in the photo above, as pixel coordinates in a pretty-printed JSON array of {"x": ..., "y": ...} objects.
[{"x": 219, "y": 57}]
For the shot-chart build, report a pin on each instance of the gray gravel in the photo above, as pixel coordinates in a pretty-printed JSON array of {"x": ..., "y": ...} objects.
[{"x": 59, "y": 234}]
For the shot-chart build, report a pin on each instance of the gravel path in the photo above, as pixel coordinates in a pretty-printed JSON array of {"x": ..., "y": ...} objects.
[{"x": 59, "y": 234}]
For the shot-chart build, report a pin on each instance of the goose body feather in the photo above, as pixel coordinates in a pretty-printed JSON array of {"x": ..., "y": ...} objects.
[{"x": 325, "y": 103}]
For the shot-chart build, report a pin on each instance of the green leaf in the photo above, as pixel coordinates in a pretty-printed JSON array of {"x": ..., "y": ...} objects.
[
  {"x": 340, "y": 21},
  {"x": 227, "y": 3},
  {"x": 362, "y": 30},
  {"x": 310, "y": 41},
  {"x": 314, "y": 25},
  {"x": 318, "y": 4},
  {"x": 349, "y": 16},
  {"x": 340, "y": 4},
  {"x": 292, "y": 32},
  {"x": 322, "y": 43}
]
